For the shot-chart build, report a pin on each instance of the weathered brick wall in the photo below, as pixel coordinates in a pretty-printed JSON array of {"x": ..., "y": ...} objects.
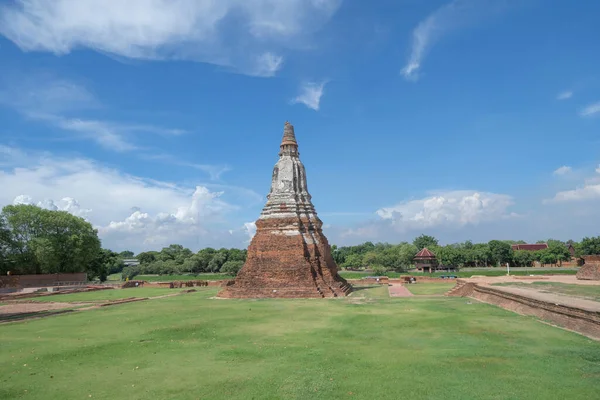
[
  {"x": 580, "y": 320},
  {"x": 589, "y": 272},
  {"x": 26, "y": 281},
  {"x": 592, "y": 259},
  {"x": 281, "y": 263}
]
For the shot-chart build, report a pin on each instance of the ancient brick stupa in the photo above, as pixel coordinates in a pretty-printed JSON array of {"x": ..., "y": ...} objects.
[{"x": 289, "y": 256}]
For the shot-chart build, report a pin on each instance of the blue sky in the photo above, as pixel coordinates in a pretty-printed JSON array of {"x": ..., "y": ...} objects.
[{"x": 159, "y": 121}]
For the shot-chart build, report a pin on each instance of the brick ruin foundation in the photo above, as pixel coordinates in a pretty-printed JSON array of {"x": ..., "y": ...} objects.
[
  {"x": 581, "y": 320},
  {"x": 590, "y": 270},
  {"x": 288, "y": 257}
]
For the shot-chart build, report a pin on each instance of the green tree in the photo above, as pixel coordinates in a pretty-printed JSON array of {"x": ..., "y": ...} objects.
[
  {"x": 45, "y": 241},
  {"x": 589, "y": 246},
  {"x": 237, "y": 255},
  {"x": 425, "y": 241},
  {"x": 559, "y": 250},
  {"x": 232, "y": 267},
  {"x": 204, "y": 257},
  {"x": 370, "y": 258},
  {"x": 501, "y": 252},
  {"x": 126, "y": 254},
  {"x": 523, "y": 258},
  {"x": 217, "y": 261},
  {"x": 174, "y": 252},
  {"x": 147, "y": 257},
  {"x": 353, "y": 261}
]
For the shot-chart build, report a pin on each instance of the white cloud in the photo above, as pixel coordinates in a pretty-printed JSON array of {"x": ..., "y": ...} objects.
[
  {"x": 585, "y": 192},
  {"x": 563, "y": 170},
  {"x": 455, "y": 208},
  {"x": 591, "y": 110},
  {"x": 564, "y": 95},
  {"x": 444, "y": 20},
  {"x": 267, "y": 64},
  {"x": 250, "y": 228},
  {"x": 68, "y": 204},
  {"x": 229, "y": 33},
  {"x": 588, "y": 190},
  {"x": 128, "y": 211},
  {"x": 310, "y": 95}
]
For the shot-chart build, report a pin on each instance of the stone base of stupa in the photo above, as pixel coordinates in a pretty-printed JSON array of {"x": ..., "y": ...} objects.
[{"x": 290, "y": 263}]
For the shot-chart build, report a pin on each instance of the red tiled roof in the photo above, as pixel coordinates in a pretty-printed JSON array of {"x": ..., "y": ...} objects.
[
  {"x": 530, "y": 247},
  {"x": 425, "y": 253}
]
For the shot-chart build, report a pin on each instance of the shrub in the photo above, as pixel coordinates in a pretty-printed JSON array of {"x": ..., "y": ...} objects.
[
  {"x": 379, "y": 270},
  {"x": 232, "y": 267},
  {"x": 130, "y": 272}
]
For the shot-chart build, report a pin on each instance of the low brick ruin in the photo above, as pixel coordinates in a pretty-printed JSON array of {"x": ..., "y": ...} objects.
[
  {"x": 578, "y": 319},
  {"x": 289, "y": 256},
  {"x": 590, "y": 270}
]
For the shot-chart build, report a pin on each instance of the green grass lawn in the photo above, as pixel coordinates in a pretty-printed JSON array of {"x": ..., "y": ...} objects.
[
  {"x": 114, "y": 277},
  {"x": 111, "y": 294},
  {"x": 430, "y": 288},
  {"x": 586, "y": 291},
  {"x": 463, "y": 274},
  {"x": 371, "y": 292},
  {"x": 191, "y": 346},
  {"x": 168, "y": 278}
]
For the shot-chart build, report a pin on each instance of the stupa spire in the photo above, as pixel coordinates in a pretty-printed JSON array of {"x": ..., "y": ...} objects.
[
  {"x": 288, "y": 134},
  {"x": 289, "y": 145}
]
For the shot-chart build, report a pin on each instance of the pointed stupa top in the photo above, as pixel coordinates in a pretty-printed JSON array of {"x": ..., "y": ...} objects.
[{"x": 288, "y": 135}]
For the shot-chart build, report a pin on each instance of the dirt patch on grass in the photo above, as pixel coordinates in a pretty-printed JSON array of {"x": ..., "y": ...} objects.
[{"x": 23, "y": 311}]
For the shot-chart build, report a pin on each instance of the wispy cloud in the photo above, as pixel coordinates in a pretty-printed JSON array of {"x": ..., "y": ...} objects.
[
  {"x": 589, "y": 189},
  {"x": 562, "y": 170},
  {"x": 214, "y": 171},
  {"x": 229, "y": 33},
  {"x": 450, "y": 17},
  {"x": 310, "y": 94},
  {"x": 564, "y": 95},
  {"x": 57, "y": 102},
  {"x": 591, "y": 111},
  {"x": 267, "y": 64}
]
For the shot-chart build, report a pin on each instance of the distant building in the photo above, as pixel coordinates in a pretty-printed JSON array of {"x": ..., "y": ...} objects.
[
  {"x": 131, "y": 262},
  {"x": 530, "y": 247},
  {"x": 426, "y": 261}
]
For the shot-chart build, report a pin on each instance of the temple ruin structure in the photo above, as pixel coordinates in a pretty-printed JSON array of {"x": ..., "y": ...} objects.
[{"x": 288, "y": 256}]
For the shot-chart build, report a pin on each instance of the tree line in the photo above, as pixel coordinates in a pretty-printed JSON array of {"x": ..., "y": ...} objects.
[
  {"x": 400, "y": 257},
  {"x": 34, "y": 240},
  {"x": 176, "y": 259}
]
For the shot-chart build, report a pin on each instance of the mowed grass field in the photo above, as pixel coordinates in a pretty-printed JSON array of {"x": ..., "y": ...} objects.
[
  {"x": 104, "y": 295},
  {"x": 366, "y": 346},
  {"x": 430, "y": 288}
]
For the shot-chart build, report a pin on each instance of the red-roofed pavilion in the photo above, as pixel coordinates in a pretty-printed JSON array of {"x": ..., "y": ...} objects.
[{"x": 425, "y": 260}]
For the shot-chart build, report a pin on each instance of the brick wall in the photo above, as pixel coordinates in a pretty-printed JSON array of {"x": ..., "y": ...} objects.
[{"x": 27, "y": 281}]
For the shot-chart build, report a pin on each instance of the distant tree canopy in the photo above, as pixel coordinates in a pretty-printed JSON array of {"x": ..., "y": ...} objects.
[
  {"x": 588, "y": 246},
  {"x": 176, "y": 259},
  {"x": 423, "y": 241},
  {"x": 34, "y": 240},
  {"x": 467, "y": 254}
]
